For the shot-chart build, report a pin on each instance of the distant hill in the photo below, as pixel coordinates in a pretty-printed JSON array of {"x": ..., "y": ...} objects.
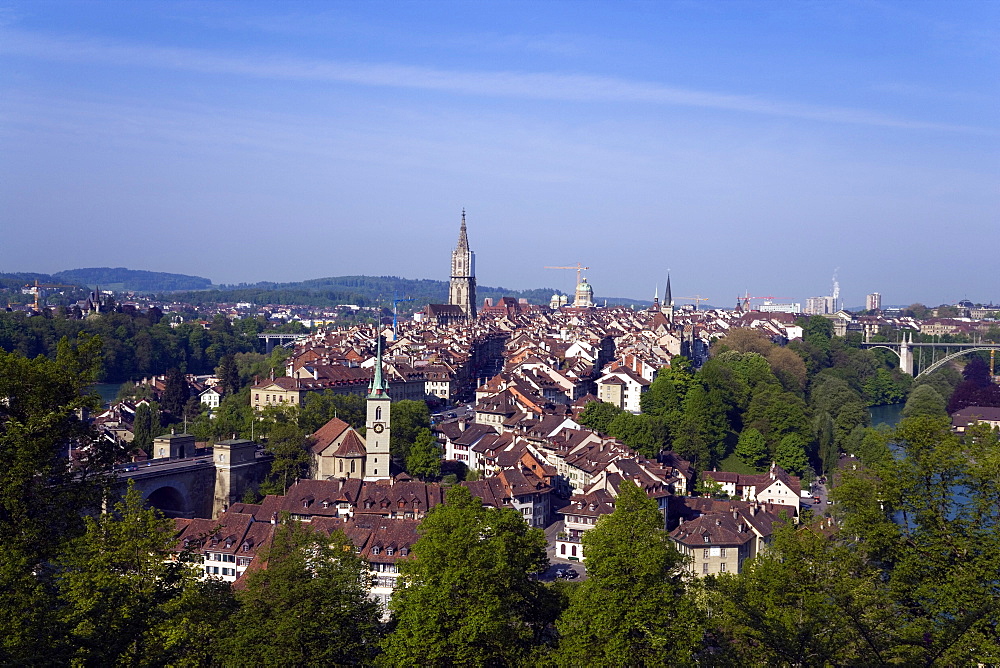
[
  {"x": 20, "y": 279},
  {"x": 330, "y": 291},
  {"x": 132, "y": 280},
  {"x": 360, "y": 290}
]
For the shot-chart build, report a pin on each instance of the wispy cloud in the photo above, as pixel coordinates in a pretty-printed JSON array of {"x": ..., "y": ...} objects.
[{"x": 518, "y": 85}]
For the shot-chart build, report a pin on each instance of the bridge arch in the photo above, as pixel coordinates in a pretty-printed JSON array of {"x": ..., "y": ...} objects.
[
  {"x": 947, "y": 358},
  {"x": 894, "y": 351},
  {"x": 169, "y": 500}
]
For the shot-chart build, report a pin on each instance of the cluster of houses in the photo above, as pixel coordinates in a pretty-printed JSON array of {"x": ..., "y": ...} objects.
[
  {"x": 527, "y": 373},
  {"x": 522, "y": 437}
]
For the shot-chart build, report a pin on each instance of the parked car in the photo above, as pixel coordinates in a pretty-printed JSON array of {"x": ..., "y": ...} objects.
[{"x": 566, "y": 572}]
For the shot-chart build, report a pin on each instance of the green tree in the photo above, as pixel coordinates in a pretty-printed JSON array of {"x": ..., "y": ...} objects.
[
  {"x": 309, "y": 607},
  {"x": 145, "y": 426},
  {"x": 40, "y": 494},
  {"x": 882, "y": 388},
  {"x": 690, "y": 443},
  {"x": 646, "y": 434},
  {"x": 319, "y": 408},
  {"x": 794, "y": 604},
  {"x": 709, "y": 411},
  {"x": 597, "y": 415},
  {"x": 632, "y": 610},
  {"x": 927, "y": 518},
  {"x": 424, "y": 458},
  {"x": 407, "y": 419},
  {"x": 924, "y": 400},
  {"x": 790, "y": 454},
  {"x": 666, "y": 392},
  {"x": 175, "y": 392},
  {"x": 287, "y": 442},
  {"x": 468, "y": 598},
  {"x": 234, "y": 418},
  {"x": 228, "y": 375},
  {"x": 776, "y": 413},
  {"x": 125, "y": 600},
  {"x": 752, "y": 448}
]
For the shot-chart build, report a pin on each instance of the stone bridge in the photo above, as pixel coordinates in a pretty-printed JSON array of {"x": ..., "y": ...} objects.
[{"x": 183, "y": 481}]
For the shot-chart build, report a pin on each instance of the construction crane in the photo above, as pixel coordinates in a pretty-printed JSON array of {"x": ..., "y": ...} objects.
[
  {"x": 396, "y": 300},
  {"x": 579, "y": 268},
  {"x": 37, "y": 288},
  {"x": 745, "y": 299},
  {"x": 697, "y": 299}
]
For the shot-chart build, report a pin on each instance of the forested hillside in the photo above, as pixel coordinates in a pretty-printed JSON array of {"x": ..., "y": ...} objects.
[
  {"x": 360, "y": 290},
  {"x": 121, "y": 279}
]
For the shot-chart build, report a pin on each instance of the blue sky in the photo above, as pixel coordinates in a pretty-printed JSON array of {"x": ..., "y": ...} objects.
[{"x": 756, "y": 146}]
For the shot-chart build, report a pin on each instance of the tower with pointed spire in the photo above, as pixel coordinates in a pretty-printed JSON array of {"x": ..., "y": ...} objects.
[
  {"x": 462, "y": 290},
  {"x": 668, "y": 302},
  {"x": 377, "y": 423}
]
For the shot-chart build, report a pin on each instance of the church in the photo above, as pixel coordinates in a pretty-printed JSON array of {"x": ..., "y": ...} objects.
[
  {"x": 461, "y": 304},
  {"x": 339, "y": 451}
]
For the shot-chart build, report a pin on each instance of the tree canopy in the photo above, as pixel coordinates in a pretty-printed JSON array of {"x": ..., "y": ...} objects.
[
  {"x": 631, "y": 610},
  {"x": 468, "y": 596}
]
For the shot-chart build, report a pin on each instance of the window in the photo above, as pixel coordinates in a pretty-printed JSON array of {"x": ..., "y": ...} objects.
[
  {"x": 704, "y": 568},
  {"x": 341, "y": 465},
  {"x": 722, "y": 567},
  {"x": 352, "y": 466},
  {"x": 378, "y": 412},
  {"x": 707, "y": 539},
  {"x": 706, "y": 553},
  {"x": 722, "y": 552},
  {"x": 562, "y": 549}
]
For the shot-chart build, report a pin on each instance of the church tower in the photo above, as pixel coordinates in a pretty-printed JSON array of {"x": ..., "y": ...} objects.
[
  {"x": 668, "y": 302},
  {"x": 377, "y": 423},
  {"x": 462, "y": 291}
]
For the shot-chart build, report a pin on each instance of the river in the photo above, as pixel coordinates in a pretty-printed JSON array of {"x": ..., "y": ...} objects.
[
  {"x": 108, "y": 391},
  {"x": 888, "y": 414}
]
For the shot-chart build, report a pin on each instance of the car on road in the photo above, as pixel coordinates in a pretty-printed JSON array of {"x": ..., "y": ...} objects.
[{"x": 566, "y": 573}]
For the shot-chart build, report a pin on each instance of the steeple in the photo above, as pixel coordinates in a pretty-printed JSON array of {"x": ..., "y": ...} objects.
[
  {"x": 462, "y": 289},
  {"x": 667, "y": 308},
  {"x": 463, "y": 238},
  {"x": 379, "y": 388}
]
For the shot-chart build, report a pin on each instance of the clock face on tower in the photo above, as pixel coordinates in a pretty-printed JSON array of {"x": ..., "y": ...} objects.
[{"x": 378, "y": 428}]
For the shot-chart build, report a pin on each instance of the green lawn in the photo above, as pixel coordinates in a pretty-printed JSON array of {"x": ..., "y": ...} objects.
[{"x": 734, "y": 464}]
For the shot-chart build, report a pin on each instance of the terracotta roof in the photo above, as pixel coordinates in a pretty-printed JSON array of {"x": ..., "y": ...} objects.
[
  {"x": 327, "y": 434},
  {"x": 351, "y": 446}
]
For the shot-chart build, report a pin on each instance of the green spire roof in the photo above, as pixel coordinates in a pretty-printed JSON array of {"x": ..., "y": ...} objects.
[{"x": 379, "y": 388}]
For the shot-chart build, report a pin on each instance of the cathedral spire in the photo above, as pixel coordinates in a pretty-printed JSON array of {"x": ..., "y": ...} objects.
[
  {"x": 462, "y": 289},
  {"x": 463, "y": 238}
]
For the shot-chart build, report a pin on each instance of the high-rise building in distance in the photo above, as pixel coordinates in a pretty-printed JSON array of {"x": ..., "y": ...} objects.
[{"x": 873, "y": 302}]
